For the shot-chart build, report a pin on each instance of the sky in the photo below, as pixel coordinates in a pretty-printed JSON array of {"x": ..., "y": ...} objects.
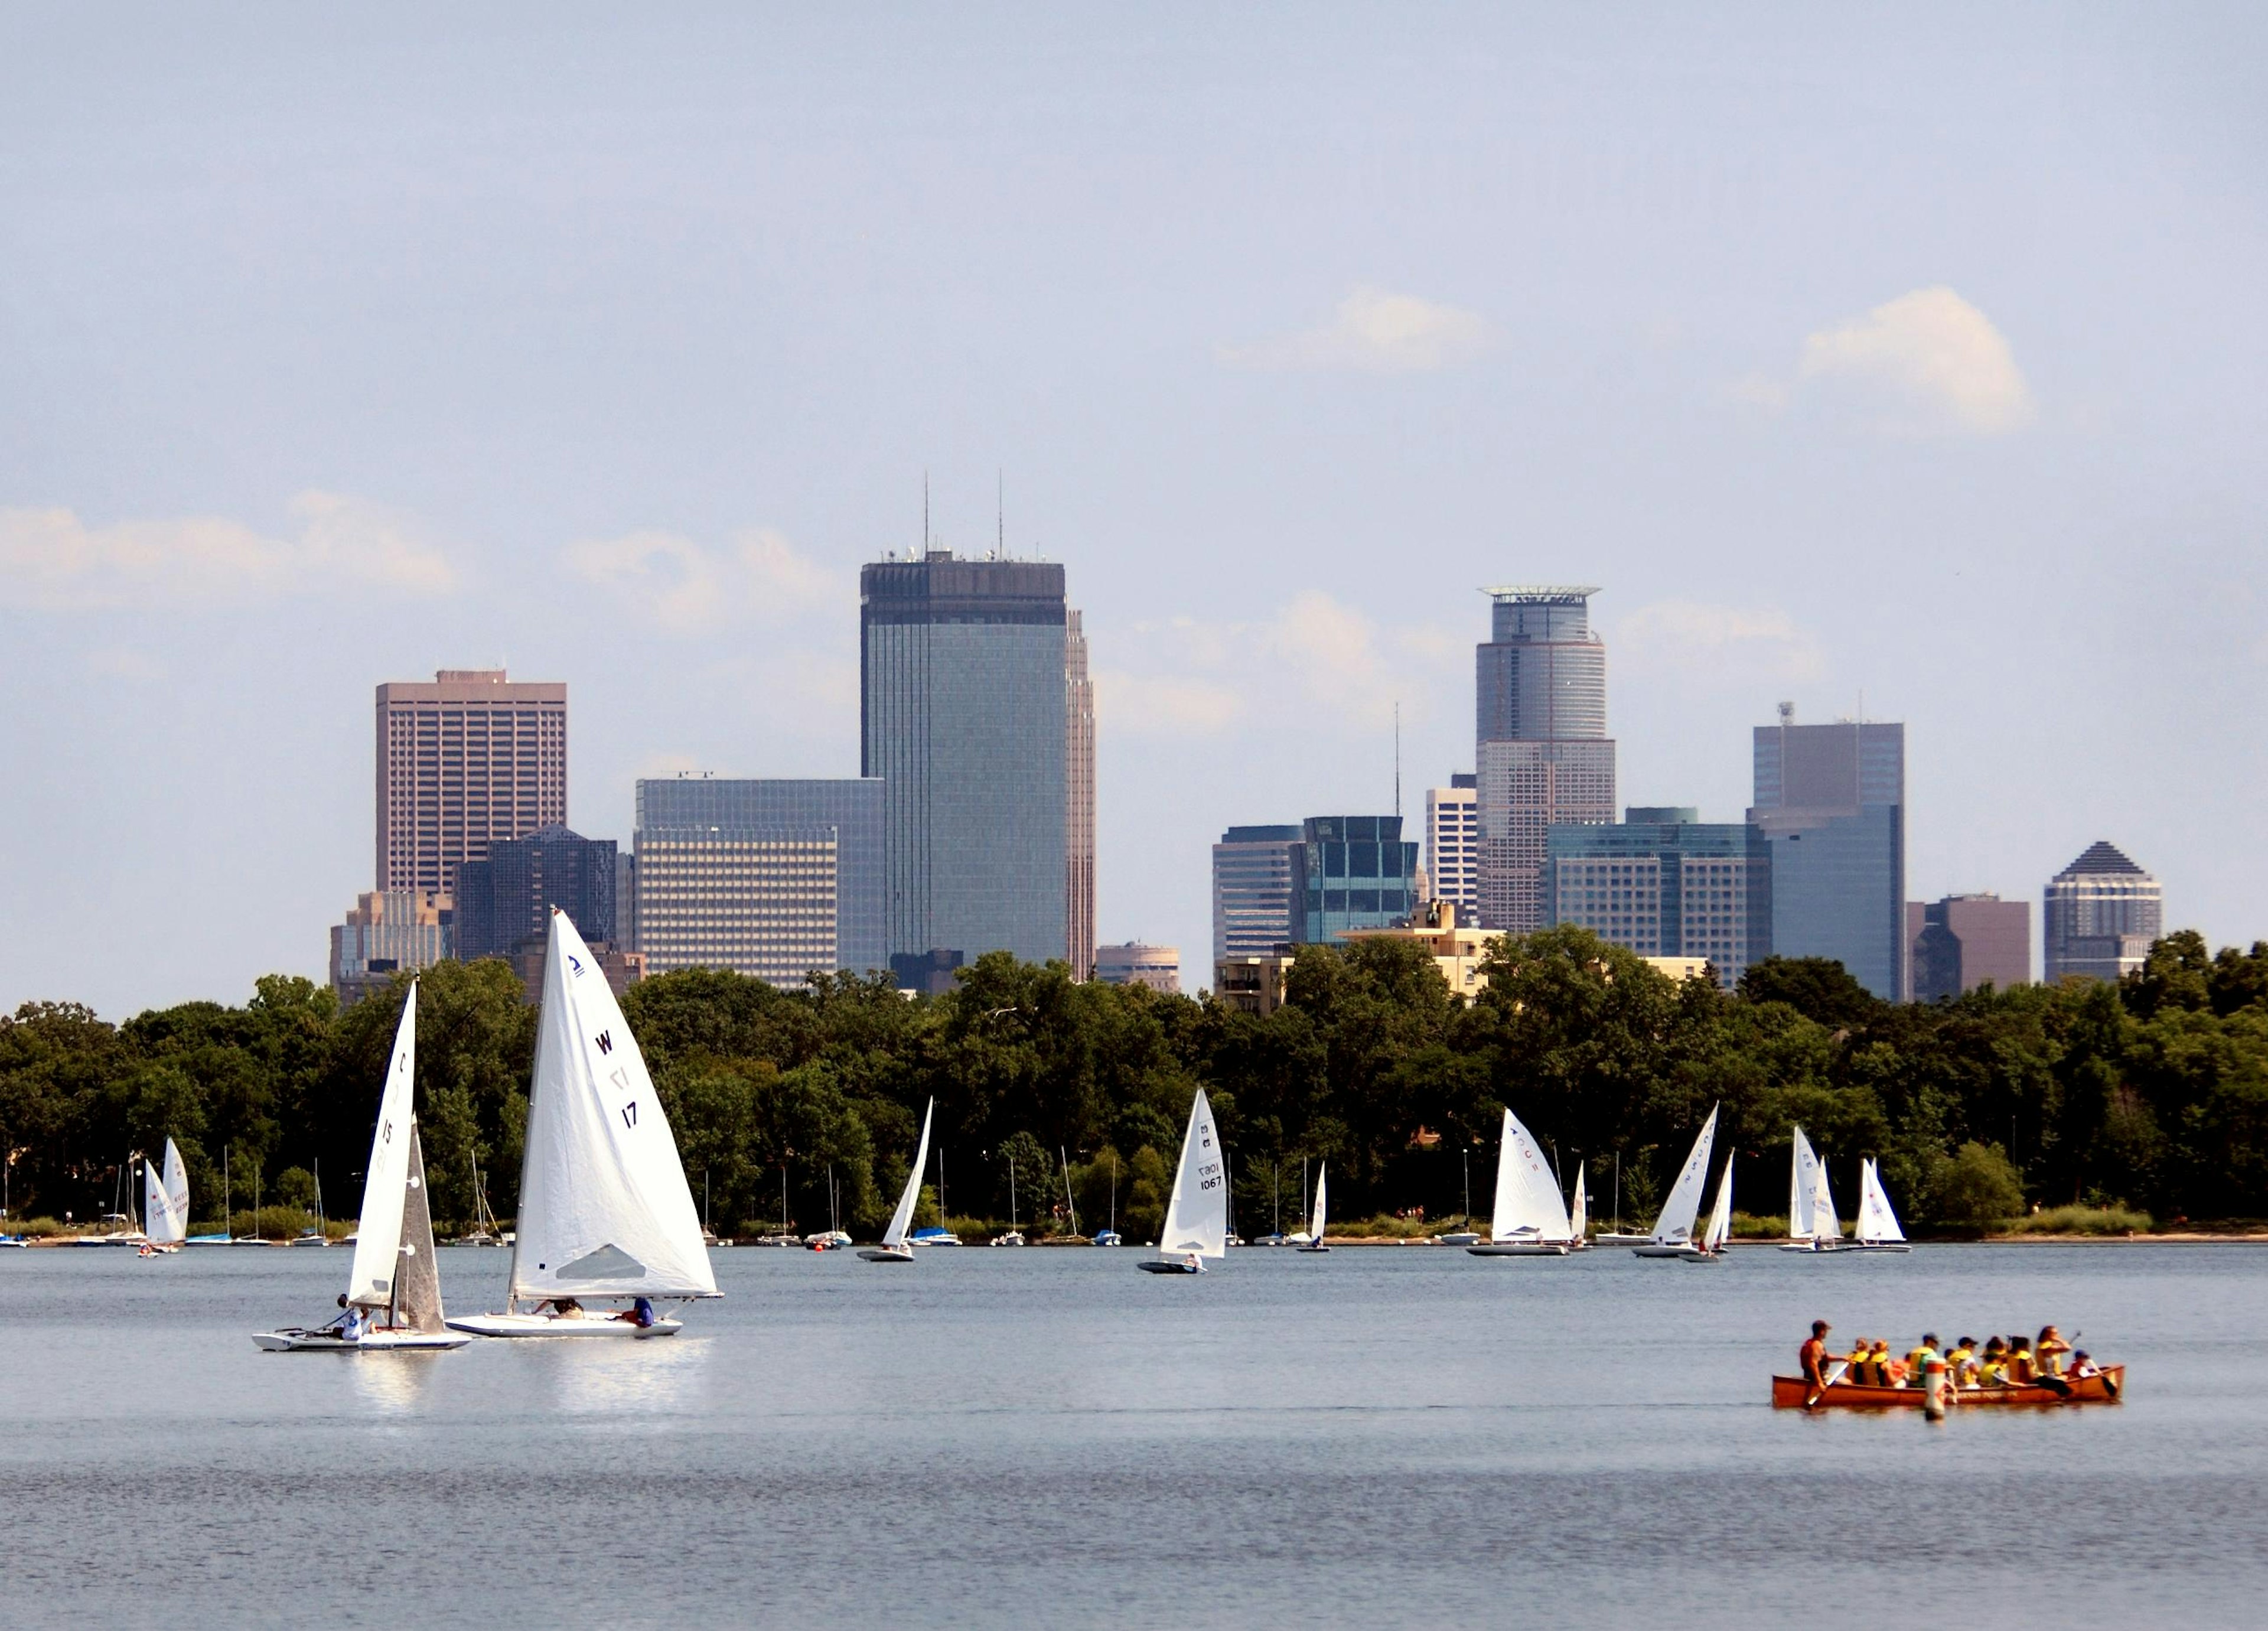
[{"x": 1904, "y": 360}]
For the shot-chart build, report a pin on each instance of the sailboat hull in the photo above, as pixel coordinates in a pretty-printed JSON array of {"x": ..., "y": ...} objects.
[
  {"x": 1160, "y": 1265},
  {"x": 885, "y": 1254},
  {"x": 330, "y": 1341},
  {"x": 1519, "y": 1249},
  {"x": 587, "y": 1329},
  {"x": 1837, "y": 1248},
  {"x": 1318, "y": 1247},
  {"x": 1694, "y": 1254},
  {"x": 1622, "y": 1240},
  {"x": 1660, "y": 1248}
]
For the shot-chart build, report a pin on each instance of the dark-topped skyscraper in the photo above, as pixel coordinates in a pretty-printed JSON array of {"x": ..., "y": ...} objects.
[
  {"x": 1831, "y": 800},
  {"x": 2100, "y": 915},
  {"x": 1541, "y": 751},
  {"x": 964, "y": 715},
  {"x": 505, "y": 901}
]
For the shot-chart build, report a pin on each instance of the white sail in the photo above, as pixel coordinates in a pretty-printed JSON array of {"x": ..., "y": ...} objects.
[
  {"x": 604, "y": 1207},
  {"x": 378, "y": 1235},
  {"x": 1528, "y": 1203},
  {"x": 1579, "y": 1213},
  {"x": 1315, "y": 1222},
  {"x": 1824, "y": 1224},
  {"x": 165, "y": 1199},
  {"x": 1196, "y": 1216},
  {"x": 1876, "y": 1220},
  {"x": 1810, "y": 1203},
  {"x": 1675, "y": 1223},
  {"x": 903, "y": 1219},
  {"x": 1720, "y": 1215}
]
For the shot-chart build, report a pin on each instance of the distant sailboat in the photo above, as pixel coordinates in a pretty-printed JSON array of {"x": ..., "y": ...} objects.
[
  {"x": 1672, "y": 1230},
  {"x": 894, "y": 1248},
  {"x": 1811, "y": 1225},
  {"x": 1197, "y": 1215},
  {"x": 394, "y": 1285},
  {"x": 1578, "y": 1215},
  {"x": 1315, "y": 1242},
  {"x": 1014, "y": 1237},
  {"x": 1529, "y": 1218},
  {"x": 605, "y": 1211},
  {"x": 1712, "y": 1249},
  {"x": 1877, "y": 1229},
  {"x": 164, "y": 1204}
]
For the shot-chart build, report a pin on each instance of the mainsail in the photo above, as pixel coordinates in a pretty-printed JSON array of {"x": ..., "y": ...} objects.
[
  {"x": 1810, "y": 1203},
  {"x": 1528, "y": 1203},
  {"x": 378, "y": 1236},
  {"x": 1315, "y": 1222},
  {"x": 417, "y": 1282},
  {"x": 604, "y": 1207},
  {"x": 1196, "y": 1216},
  {"x": 1876, "y": 1220},
  {"x": 1678, "y": 1212},
  {"x": 1720, "y": 1215},
  {"x": 165, "y": 1199},
  {"x": 903, "y": 1219},
  {"x": 1579, "y": 1213}
]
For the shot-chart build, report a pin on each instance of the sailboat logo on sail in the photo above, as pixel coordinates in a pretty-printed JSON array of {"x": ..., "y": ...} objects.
[{"x": 575, "y": 963}]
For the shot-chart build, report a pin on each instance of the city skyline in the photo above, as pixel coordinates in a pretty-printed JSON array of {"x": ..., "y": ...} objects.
[{"x": 1281, "y": 352}]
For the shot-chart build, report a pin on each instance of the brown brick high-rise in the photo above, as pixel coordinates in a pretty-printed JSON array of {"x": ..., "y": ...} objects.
[{"x": 463, "y": 762}]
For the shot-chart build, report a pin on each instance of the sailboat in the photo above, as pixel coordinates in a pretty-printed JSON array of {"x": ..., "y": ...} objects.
[
  {"x": 605, "y": 1211},
  {"x": 1578, "y": 1215},
  {"x": 1110, "y": 1235},
  {"x": 1877, "y": 1229},
  {"x": 394, "y": 1285},
  {"x": 1014, "y": 1237},
  {"x": 1712, "y": 1249},
  {"x": 164, "y": 1204},
  {"x": 1529, "y": 1218},
  {"x": 1197, "y": 1214},
  {"x": 1672, "y": 1230},
  {"x": 894, "y": 1248},
  {"x": 1315, "y": 1241},
  {"x": 1811, "y": 1222}
]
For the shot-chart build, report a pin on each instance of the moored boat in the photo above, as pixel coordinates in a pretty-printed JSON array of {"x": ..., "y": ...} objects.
[{"x": 2103, "y": 1388}]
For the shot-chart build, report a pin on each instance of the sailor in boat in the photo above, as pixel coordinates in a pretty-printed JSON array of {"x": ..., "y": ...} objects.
[
  {"x": 1812, "y": 1359},
  {"x": 639, "y": 1313},
  {"x": 352, "y": 1323}
]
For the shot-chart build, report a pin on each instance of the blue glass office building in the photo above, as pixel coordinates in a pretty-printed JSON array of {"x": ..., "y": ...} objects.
[
  {"x": 962, "y": 715},
  {"x": 848, "y": 812},
  {"x": 1351, "y": 872},
  {"x": 1664, "y": 883},
  {"x": 1831, "y": 800}
]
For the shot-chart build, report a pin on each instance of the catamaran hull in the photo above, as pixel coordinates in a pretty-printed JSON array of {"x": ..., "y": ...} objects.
[
  {"x": 1519, "y": 1249},
  {"x": 370, "y": 1342},
  {"x": 1789, "y": 1393},
  {"x": 551, "y": 1326}
]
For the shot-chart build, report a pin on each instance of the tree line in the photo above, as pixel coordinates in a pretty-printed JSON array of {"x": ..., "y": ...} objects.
[{"x": 2152, "y": 1094}]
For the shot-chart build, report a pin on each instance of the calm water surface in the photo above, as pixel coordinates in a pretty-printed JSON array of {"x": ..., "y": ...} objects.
[{"x": 1380, "y": 1437}]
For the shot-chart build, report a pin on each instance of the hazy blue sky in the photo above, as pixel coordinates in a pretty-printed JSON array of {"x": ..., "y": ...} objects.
[{"x": 1916, "y": 353}]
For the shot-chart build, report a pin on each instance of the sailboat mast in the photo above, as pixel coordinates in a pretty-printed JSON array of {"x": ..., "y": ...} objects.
[{"x": 1070, "y": 1204}]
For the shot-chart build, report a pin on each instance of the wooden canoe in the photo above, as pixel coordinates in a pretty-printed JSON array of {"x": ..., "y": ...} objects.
[{"x": 1788, "y": 1393}]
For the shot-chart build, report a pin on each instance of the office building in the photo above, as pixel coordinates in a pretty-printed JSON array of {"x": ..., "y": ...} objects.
[
  {"x": 386, "y": 931},
  {"x": 1961, "y": 942},
  {"x": 773, "y": 877},
  {"x": 1135, "y": 963},
  {"x": 1351, "y": 872},
  {"x": 2100, "y": 915},
  {"x": 505, "y": 901},
  {"x": 963, "y": 704},
  {"x": 1252, "y": 985},
  {"x": 626, "y": 901},
  {"x": 1830, "y": 800},
  {"x": 463, "y": 762},
  {"x": 1452, "y": 847},
  {"x": 1666, "y": 885},
  {"x": 1252, "y": 891},
  {"x": 1543, "y": 754},
  {"x": 1078, "y": 823},
  {"x": 1456, "y": 947}
]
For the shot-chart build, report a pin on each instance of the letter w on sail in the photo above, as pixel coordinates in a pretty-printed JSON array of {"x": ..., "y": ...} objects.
[{"x": 606, "y": 1042}]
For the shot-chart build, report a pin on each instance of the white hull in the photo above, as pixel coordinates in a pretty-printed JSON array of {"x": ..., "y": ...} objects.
[
  {"x": 330, "y": 1341},
  {"x": 1622, "y": 1240},
  {"x": 885, "y": 1254},
  {"x": 1462, "y": 1237},
  {"x": 1694, "y": 1254},
  {"x": 1519, "y": 1249},
  {"x": 1660, "y": 1248},
  {"x": 1837, "y": 1248},
  {"x": 588, "y": 1328}
]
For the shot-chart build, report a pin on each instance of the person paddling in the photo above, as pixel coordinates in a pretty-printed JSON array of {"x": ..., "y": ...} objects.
[{"x": 1812, "y": 1357}]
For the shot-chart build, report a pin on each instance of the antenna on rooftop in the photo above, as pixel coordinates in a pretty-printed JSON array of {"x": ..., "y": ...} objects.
[
  {"x": 1000, "y": 511},
  {"x": 924, "y": 512},
  {"x": 1397, "y": 761}
]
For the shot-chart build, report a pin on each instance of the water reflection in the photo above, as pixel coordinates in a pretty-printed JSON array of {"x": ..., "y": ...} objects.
[
  {"x": 654, "y": 1379},
  {"x": 392, "y": 1383}
]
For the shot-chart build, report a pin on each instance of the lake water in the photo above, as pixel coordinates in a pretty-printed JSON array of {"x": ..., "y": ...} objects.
[{"x": 1378, "y": 1437}]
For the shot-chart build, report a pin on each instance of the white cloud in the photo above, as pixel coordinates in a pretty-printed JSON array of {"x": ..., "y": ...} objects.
[
  {"x": 674, "y": 582},
  {"x": 51, "y": 559},
  {"x": 1187, "y": 676},
  {"x": 1928, "y": 362},
  {"x": 1708, "y": 645},
  {"x": 1377, "y": 332}
]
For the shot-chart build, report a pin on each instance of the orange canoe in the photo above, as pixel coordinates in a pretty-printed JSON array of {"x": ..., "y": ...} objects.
[{"x": 2103, "y": 1389}]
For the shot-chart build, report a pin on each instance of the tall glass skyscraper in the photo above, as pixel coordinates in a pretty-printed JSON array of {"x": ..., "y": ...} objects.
[
  {"x": 1351, "y": 872},
  {"x": 963, "y": 710},
  {"x": 1664, "y": 883},
  {"x": 1543, "y": 754},
  {"x": 505, "y": 901},
  {"x": 1830, "y": 800},
  {"x": 1252, "y": 891}
]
